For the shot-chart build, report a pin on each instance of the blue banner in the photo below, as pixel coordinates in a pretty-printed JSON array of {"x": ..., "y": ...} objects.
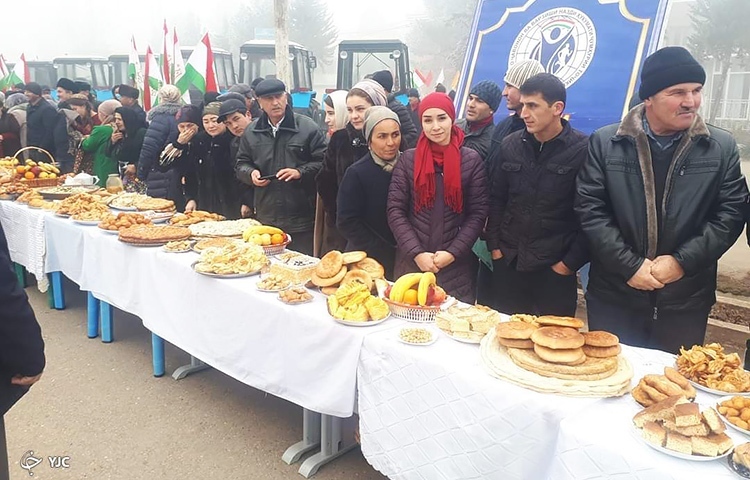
[{"x": 596, "y": 47}]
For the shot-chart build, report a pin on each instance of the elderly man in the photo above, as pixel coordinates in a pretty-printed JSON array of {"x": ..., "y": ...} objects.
[
  {"x": 66, "y": 88},
  {"x": 128, "y": 96},
  {"x": 280, "y": 153},
  {"x": 484, "y": 98},
  {"x": 660, "y": 199}
]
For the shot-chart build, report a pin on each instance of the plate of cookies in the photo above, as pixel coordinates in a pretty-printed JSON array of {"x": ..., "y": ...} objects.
[
  {"x": 652, "y": 388},
  {"x": 735, "y": 411}
]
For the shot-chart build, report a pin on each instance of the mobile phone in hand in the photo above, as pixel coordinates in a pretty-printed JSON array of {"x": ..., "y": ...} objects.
[{"x": 268, "y": 177}]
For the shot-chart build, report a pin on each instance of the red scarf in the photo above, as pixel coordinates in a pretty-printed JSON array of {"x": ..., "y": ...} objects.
[{"x": 448, "y": 157}]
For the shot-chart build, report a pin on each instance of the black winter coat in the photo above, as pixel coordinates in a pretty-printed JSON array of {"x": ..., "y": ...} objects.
[
  {"x": 512, "y": 123},
  {"x": 478, "y": 140},
  {"x": 702, "y": 212},
  {"x": 439, "y": 227},
  {"x": 21, "y": 344},
  {"x": 409, "y": 133},
  {"x": 298, "y": 144},
  {"x": 161, "y": 131},
  {"x": 531, "y": 219},
  {"x": 42, "y": 122},
  {"x": 345, "y": 147}
]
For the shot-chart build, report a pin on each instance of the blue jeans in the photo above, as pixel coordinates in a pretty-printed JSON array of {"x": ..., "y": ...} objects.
[{"x": 584, "y": 276}]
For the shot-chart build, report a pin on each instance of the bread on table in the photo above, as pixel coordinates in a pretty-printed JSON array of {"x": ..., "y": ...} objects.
[
  {"x": 687, "y": 414},
  {"x": 654, "y": 433},
  {"x": 679, "y": 443},
  {"x": 661, "y": 411},
  {"x": 714, "y": 422}
]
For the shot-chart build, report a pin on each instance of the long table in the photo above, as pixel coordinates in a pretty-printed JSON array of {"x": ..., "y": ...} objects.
[{"x": 425, "y": 412}]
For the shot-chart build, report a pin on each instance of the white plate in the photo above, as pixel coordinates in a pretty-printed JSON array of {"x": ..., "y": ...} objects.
[
  {"x": 694, "y": 458},
  {"x": 717, "y": 392},
  {"x": 738, "y": 469},
  {"x": 296, "y": 303},
  {"x": 123, "y": 209},
  {"x": 164, "y": 249},
  {"x": 462, "y": 340},
  {"x": 63, "y": 215},
  {"x": 431, "y": 330},
  {"x": 230, "y": 275},
  {"x": 145, "y": 245},
  {"x": 111, "y": 232},
  {"x": 89, "y": 223},
  {"x": 361, "y": 324},
  {"x": 272, "y": 290},
  {"x": 731, "y": 425}
]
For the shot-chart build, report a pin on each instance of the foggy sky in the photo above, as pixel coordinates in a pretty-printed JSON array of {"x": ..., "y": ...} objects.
[{"x": 103, "y": 28}]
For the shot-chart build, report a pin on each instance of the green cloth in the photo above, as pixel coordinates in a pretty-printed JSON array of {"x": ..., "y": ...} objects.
[
  {"x": 481, "y": 251},
  {"x": 97, "y": 143}
]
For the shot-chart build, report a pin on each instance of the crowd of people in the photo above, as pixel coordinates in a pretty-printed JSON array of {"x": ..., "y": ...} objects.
[{"x": 504, "y": 215}]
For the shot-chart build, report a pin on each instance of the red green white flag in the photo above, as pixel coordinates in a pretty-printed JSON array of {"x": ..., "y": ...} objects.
[
  {"x": 152, "y": 80},
  {"x": 199, "y": 70}
]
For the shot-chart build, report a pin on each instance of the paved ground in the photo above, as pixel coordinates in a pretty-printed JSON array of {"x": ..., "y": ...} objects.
[{"x": 100, "y": 405}]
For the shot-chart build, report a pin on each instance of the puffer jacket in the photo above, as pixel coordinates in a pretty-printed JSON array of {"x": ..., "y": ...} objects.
[
  {"x": 162, "y": 130},
  {"x": 531, "y": 219},
  {"x": 439, "y": 227},
  {"x": 702, "y": 212},
  {"x": 298, "y": 144},
  {"x": 478, "y": 140},
  {"x": 345, "y": 147},
  {"x": 409, "y": 133}
]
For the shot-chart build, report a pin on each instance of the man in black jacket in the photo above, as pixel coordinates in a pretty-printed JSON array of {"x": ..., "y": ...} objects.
[
  {"x": 128, "y": 96},
  {"x": 660, "y": 199},
  {"x": 45, "y": 128},
  {"x": 532, "y": 231},
  {"x": 234, "y": 114},
  {"x": 409, "y": 133},
  {"x": 484, "y": 98},
  {"x": 289, "y": 149}
]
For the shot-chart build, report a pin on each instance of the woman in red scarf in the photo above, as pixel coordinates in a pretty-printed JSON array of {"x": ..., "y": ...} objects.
[{"x": 438, "y": 202}]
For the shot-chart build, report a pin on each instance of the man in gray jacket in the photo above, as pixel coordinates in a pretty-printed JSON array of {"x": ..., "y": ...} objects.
[{"x": 280, "y": 153}]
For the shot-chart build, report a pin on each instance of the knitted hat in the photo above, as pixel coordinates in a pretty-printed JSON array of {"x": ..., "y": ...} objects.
[
  {"x": 189, "y": 113},
  {"x": 375, "y": 115},
  {"x": 522, "y": 71},
  {"x": 384, "y": 78},
  {"x": 169, "y": 94},
  {"x": 438, "y": 100},
  {"x": 669, "y": 66},
  {"x": 231, "y": 106},
  {"x": 212, "y": 109},
  {"x": 271, "y": 86},
  {"x": 67, "y": 84},
  {"x": 489, "y": 92},
  {"x": 34, "y": 88},
  {"x": 128, "y": 91}
]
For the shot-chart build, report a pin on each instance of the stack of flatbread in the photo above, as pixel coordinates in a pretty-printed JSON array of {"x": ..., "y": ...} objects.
[{"x": 595, "y": 377}]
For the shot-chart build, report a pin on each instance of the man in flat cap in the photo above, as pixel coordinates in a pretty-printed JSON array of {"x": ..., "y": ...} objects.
[
  {"x": 660, "y": 199},
  {"x": 128, "y": 96},
  {"x": 286, "y": 149},
  {"x": 478, "y": 125}
]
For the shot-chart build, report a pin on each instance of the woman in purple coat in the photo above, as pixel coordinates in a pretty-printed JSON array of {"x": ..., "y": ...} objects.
[{"x": 438, "y": 202}]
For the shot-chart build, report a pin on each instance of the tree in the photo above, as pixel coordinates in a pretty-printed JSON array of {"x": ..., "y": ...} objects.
[
  {"x": 311, "y": 24},
  {"x": 720, "y": 33}
]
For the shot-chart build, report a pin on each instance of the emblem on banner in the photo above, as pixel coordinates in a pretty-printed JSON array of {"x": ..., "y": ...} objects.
[{"x": 561, "y": 39}]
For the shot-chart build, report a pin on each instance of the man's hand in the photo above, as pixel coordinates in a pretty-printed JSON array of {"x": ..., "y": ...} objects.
[
  {"x": 561, "y": 269},
  {"x": 255, "y": 177},
  {"x": 426, "y": 262},
  {"x": 643, "y": 279},
  {"x": 666, "y": 269},
  {"x": 130, "y": 170},
  {"x": 116, "y": 136},
  {"x": 25, "y": 381},
  {"x": 288, "y": 174},
  {"x": 497, "y": 254},
  {"x": 245, "y": 211},
  {"x": 190, "y": 206},
  {"x": 442, "y": 259}
]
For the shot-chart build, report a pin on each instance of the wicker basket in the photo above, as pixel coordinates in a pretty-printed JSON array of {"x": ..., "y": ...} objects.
[
  {"x": 39, "y": 182},
  {"x": 270, "y": 250},
  {"x": 412, "y": 313}
]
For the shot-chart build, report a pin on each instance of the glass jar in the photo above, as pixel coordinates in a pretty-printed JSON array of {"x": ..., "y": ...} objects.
[{"x": 114, "y": 184}]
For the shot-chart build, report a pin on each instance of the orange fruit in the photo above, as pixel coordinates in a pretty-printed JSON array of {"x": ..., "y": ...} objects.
[
  {"x": 277, "y": 239},
  {"x": 410, "y": 297},
  {"x": 28, "y": 175},
  {"x": 20, "y": 169}
]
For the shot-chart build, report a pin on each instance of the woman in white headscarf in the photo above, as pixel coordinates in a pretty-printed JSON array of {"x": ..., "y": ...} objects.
[{"x": 336, "y": 114}]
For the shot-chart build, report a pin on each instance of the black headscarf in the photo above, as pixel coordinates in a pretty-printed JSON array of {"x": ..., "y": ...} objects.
[{"x": 130, "y": 119}]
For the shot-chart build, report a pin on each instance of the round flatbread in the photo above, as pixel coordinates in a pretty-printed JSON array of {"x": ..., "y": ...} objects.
[
  {"x": 559, "y": 338},
  {"x": 328, "y": 290},
  {"x": 371, "y": 266},
  {"x": 551, "y": 320},
  {"x": 574, "y": 356},
  {"x": 330, "y": 265},
  {"x": 357, "y": 276},
  {"x": 601, "y": 352},
  {"x": 601, "y": 339},
  {"x": 513, "y": 343},
  {"x": 328, "y": 282},
  {"x": 354, "y": 257},
  {"x": 515, "y": 330},
  {"x": 591, "y": 369}
]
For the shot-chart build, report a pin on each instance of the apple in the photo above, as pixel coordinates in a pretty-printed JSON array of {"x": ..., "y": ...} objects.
[
  {"x": 36, "y": 171},
  {"x": 431, "y": 296},
  {"x": 388, "y": 292},
  {"x": 440, "y": 295}
]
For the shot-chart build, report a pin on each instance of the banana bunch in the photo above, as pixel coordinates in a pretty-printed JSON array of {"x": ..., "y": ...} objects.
[
  {"x": 8, "y": 162},
  {"x": 423, "y": 281},
  {"x": 47, "y": 167},
  {"x": 260, "y": 230}
]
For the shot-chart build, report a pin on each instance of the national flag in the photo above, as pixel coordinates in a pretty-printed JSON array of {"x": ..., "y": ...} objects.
[
  {"x": 199, "y": 70},
  {"x": 152, "y": 80},
  {"x": 454, "y": 83},
  {"x": 178, "y": 63},
  {"x": 440, "y": 77},
  {"x": 4, "y": 73},
  {"x": 19, "y": 74},
  {"x": 134, "y": 67},
  {"x": 164, "y": 60},
  {"x": 426, "y": 79}
]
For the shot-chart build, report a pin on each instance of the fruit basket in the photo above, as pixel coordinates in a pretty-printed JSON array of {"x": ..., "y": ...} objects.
[
  {"x": 270, "y": 250},
  {"x": 39, "y": 182},
  {"x": 412, "y": 313}
]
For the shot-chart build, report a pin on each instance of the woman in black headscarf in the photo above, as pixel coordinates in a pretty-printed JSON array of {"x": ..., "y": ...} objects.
[{"x": 127, "y": 140}]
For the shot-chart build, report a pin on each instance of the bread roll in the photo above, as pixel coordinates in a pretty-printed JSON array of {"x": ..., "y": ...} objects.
[
  {"x": 551, "y": 320},
  {"x": 515, "y": 330},
  {"x": 601, "y": 339},
  {"x": 558, "y": 338},
  {"x": 565, "y": 356}
]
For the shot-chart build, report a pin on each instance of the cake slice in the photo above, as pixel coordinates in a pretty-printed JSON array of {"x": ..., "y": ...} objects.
[
  {"x": 713, "y": 421},
  {"x": 722, "y": 441},
  {"x": 654, "y": 433},
  {"x": 687, "y": 414},
  {"x": 661, "y": 411},
  {"x": 704, "y": 446},
  {"x": 679, "y": 443},
  {"x": 700, "y": 430}
]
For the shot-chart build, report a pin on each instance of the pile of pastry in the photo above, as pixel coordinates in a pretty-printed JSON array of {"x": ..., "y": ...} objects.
[
  {"x": 196, "y": 216},
  {"x": 337, "y": 269},
  {"x": 655, "y": 388}
]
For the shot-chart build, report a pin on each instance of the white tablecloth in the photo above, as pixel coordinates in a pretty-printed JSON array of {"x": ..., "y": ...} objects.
[
  {"x": 295, "y": 352},
  {"x": 24, "y": 229},
  {"x": 433, "y": 413}
]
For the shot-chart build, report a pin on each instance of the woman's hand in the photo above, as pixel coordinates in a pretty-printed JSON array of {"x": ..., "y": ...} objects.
[
  {"x": 116, "y": 136},
  {"x": 190, "y": 206},
  {"x": 187, "y": 134},
  {"x": 426, "y": 262},
  {"x": 443, "y": 259}
]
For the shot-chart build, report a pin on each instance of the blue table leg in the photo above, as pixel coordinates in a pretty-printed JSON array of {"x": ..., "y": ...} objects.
[
  {"x": 157, "y": 354},
  {"x": 56, "y": 282},
  {"x": 20, "y": 274},
  {"x": 107, "y": 316},
  {"x": 92, "y": 316}
]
